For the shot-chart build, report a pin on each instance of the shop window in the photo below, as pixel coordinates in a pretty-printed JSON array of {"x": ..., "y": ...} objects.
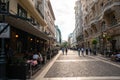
[{"x": 22, "y": 12}]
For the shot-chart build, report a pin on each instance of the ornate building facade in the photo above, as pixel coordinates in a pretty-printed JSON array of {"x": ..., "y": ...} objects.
[{"x": 101, "y": 21}]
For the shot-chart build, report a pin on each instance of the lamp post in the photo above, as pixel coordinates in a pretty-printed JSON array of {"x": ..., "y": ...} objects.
[{"x": 3, "y": 10}]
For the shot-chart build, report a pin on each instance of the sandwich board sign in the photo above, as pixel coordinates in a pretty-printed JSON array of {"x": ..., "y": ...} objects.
[{"x": 4, "y": 30}]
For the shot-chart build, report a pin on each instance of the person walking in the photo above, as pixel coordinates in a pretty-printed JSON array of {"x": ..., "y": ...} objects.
[
  {"x": 86, "y": 51},
  {"x": 63, "y": 51},
  {"x": 82, "y": 50},
  {"x": 78, "y": 51},
  {"x": 66, "y": 50},
  {"x": 90, "y": 51}
]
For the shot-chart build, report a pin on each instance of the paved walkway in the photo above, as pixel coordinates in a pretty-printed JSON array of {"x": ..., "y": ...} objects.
[{"x": 74, "y": 67}]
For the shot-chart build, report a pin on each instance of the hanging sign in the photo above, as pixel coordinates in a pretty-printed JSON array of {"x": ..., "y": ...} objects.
[{"x": 4, "y": 30}]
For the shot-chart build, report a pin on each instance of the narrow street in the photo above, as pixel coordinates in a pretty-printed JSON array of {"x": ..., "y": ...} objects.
[{"x": 74, "y": 67}]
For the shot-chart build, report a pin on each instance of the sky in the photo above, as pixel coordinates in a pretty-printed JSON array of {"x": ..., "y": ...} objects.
[{"x": 65, "y": 17}]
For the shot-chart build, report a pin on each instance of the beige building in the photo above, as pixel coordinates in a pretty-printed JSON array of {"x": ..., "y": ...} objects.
[
  {"x": 49, "y": 19},
  {"x": 79, "y": 23},
  {"x": 26, "y": 28},
  {"x": 31, "y": 24},
  {"x": 101, "y": 21}
]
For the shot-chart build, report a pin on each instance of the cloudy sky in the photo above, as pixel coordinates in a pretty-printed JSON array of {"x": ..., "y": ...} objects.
[{"x": 64, "y": 14}]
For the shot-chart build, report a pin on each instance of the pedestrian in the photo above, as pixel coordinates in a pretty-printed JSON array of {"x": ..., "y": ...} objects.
[
  {"x": 86, "y": 51},
  {"x": 63, "y": 51},
  {"x": 78, "y": 51},
  {"x": 82, "y": 50},
  {"x": 94, "y": 52},
  {"x": 66, "y": 50},
  {"x": 90, "y": 51}
]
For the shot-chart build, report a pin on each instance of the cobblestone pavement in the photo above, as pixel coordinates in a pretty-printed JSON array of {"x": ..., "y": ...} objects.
[{"x": 74, "y": 67}]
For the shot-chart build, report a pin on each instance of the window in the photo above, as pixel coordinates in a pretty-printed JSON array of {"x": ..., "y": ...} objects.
[
  {"x": 22, "y": 12},
  {"x": 101, "y": 4},
  {"x": 4, "y": 6},
  {"x": 111, "y": 18},
  {"x": 32, "y": 20},
  {"x": 91, "y": 32},
  {"x": 103, "y": 26}
]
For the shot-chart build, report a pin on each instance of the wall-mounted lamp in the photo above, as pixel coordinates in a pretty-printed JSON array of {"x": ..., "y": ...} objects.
[
  {"x": 37, "y": 41},
  {"x": 31, "y": 39},
  {"x": 16, "y": 35}
]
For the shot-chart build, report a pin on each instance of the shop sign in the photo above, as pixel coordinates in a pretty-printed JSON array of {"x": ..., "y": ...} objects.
[{"x": 4, "y": 30}]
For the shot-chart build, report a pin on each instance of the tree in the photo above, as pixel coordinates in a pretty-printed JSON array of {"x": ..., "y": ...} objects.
[
  {"x": 94, "y": 42},
  {"x": 65, "y": 44}
]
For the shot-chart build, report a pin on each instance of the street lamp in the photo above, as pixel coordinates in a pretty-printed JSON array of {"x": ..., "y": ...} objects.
[{"x": 3, "y": 9}]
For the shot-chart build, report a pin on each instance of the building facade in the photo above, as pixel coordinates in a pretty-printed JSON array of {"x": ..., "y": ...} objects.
[
  {"x": 49, "y": 19},
  {"x": 58, "y": 36},
  {"x": 74, "y": 42},
  {"x": 30, "y": 24},
  {"x": 78, "y": 23},
  {"x": 101, "y": 21},
  {"x": 70, "y": 40}
]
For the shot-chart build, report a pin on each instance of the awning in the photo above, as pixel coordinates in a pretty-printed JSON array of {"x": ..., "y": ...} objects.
[{"x": 26, "y": 26}]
